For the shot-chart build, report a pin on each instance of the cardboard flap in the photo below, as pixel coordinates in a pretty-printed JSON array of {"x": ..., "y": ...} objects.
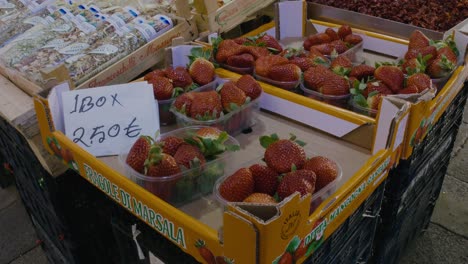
[
  {"x": 290, "y": 18},
  {"x": 55, "y": 104},
  {"x": 237, "y": 230}
]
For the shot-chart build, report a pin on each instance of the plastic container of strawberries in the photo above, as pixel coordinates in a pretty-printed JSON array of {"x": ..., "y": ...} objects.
[
  {"x": 246, "y": 70},
  {"x": 184, "y": 187},
  {"x": 233, "y": 122},
  {"x": 336, "y": 100},
  {"x": 363, "y": 110},
  {"x": 284, "y": 85},
  {"x": 317, "y": 197},
  {"x": 166, "y": 117},
  {"x": 354, "y": 54}
]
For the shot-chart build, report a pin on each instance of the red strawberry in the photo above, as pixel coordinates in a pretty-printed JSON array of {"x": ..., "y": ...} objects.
[
  {"x": 241, "y": 40},
  {"x": 341, "y": 65},
  {"x": 353, "y": 39},
  {"x": 285, "y": 73},
  {"x": 202, "y": 71},
  {"x": 391, "y": 76},
  {"x": 344, "y": 31},
  {"x": 228, "y": 48},
  {"x": 260, "y": 198},
  {"x": 179, "y": 76},
  {"x": 283, "y": 154},
  {"x": 270, "y": 42},
  {"x": 424, "y": 51},
  {"x": 206, "y": 105},
  {"x": 205, "y": 253},
  {"x": 376, "y": 86},
  {"x": 154, "y": 74},
  {"x": 250, "y": 86},
  {"x": 244, "y": 60},
  {"x": 316, "y": 39},
  {"x": 170, "y": 144},
  {"x": 257, "y": 52},
  {"x": 440, "y": 67},
  {"x": 265, "y": 178},
  {"x": 162, "y": 88},
  {"x": 189, "y": 156},
  {"x": 208, "y": 133},
  {"x": 411, "y": 89},
  {"x": 302, "y": 181},
  {"x": 325, "y": 169},
  {"x": 374, "y": 101},
  {"x": 332, "y": 34},
  {"x": 139, "y": 153},
  {"x": 286, "y": 258},
  {"x": 238, "y": 186},
  {"x": 339, "y": 46},
  {"x": 448, "y": 52},
  {"x": 318, "y": 57},
  {"x": 362, "y": 71},
  {"x": 231, "y": 96},
  {"x": 325, "y": 48},
  {"x": 417, "y": 40},
  {"x": 161, "y": 165},
  {"x": 334, "y": 85},
  {"x": 263, "y": 64},
  {"x": 315, "y": 77},
  {"x": 303, "y": 62},
  {"x": 420, "y": 80},
  {"x": 183, "y": 103}
]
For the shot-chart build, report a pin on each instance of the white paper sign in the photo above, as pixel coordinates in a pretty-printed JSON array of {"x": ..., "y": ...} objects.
[{"x": 104, "y": 120}]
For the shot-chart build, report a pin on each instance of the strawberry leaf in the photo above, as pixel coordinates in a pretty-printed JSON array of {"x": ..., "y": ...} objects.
[
  {"x": 353, "y": 91},
  {"x": 300, "y": 142},
  {"x": 293, "y": 167},
  {"x": 334, "y": 54},
  {"x": 218, "y": 89},
  {"x": 373, "y": 93},
  {"x": 293, "y": 245},
  {"x": 360, "y": 100},
  {"x": 232, "y": 148},
  {"x": 266, "y": 141}
]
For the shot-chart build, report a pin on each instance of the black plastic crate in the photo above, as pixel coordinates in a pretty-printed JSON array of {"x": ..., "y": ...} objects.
[
  {"x": 6, "y": 173},
  {"x": 350, "y": 241},
  {"x": 148, "y": 239}
]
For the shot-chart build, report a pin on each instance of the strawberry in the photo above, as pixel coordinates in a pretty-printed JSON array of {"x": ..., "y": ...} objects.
[
  {"x": 162, "y": 88},
  {"x": 231, "y": 96},
  {"x": 339, "y": 46},
  {"x": 170, "y": 144},
  {"x": 300, "y": 251},
  {"x": 325, "y": 48},
  {"x": 302, "y": 181},
  {"x": 303, "y": 62},
  {"x": 211, "y": 141},
  {"x": 208, "y": 133},
  {"x": 183, "y": 103},
  {"x": 341, "y": 65},
  {"x": 421, "y": 80},
  {"x": 316, "y": 39},
  {"x": 265, "y": 178},
  {"x": 285, "y": 73},
  {"x": 139, "y": 153},
  {"x": 286, "y": 258},
  {"x": 373, "y": 101},
  {"x": 318, "y": 57},
  {"x": 67, "y": 155},
  {"x": 263, "y": 64},
  {"x": 440, "y": 67},
  {"x": 202, "y": 71},
  {"x": 179, "y": 76},
  {"x": 260, "y": 198},
  {"x": 238, "y": 186},
  {"x": 205, "y": 253},
  {"x": 325, "y": 169},
  {"x": 282, "y": 154},
  {"x": 257, "y": 52},
  {"x": 314, "y": 77},
  {"x": 391, "y": 76},
  {"x": 189, "y": 156},
  {"x": 424, "y": 51},
  {"x": 154, "y": 74},
  {"x": 332, "y": 34},
  {"x": 449, "y": 53},
  {"x": 344, "y": 31},
  {"x": 241, "y": 40},
  {"x": 410, "y": 89},
  {"x": 334, "y": 85},
  {"x": 244, "y": 60},
  {"x": 206, "y": 106},
  {"x": 228, "y": 48},
  {"x": 362, "y": 71},
  {"x": 270, "y": 42},
  {"x": 353, "y": 39},
  {"x": 161, "y": 165},
  {"x": 250, "y": 86},
  {"x": 376, "y": 86},
  {"x": 417, "y": 40}
]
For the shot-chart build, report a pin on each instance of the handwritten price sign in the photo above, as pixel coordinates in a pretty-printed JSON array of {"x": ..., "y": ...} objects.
[{"x": 104, "y": 120}]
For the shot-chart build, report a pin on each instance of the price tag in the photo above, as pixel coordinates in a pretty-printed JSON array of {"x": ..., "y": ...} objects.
[{"x": 104, "y": 120}]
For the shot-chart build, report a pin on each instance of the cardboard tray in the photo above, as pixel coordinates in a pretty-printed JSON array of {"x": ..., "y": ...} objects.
[{"x": 266, "y": 231}]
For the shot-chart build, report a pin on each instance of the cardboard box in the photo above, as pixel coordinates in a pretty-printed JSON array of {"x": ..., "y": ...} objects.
[
  {"x": 122, "y": 71},
  {"x": 265, "y": 231},
  {"x": 209, "y": 16}
]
